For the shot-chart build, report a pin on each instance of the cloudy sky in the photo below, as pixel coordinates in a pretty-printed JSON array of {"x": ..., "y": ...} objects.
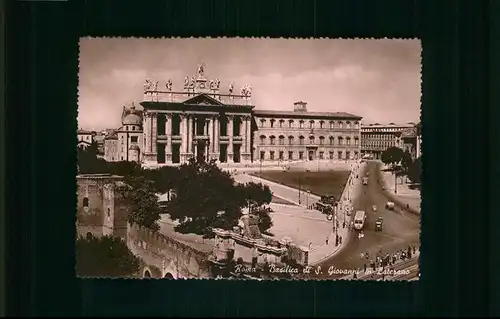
[{"x": 376, "y": 79}]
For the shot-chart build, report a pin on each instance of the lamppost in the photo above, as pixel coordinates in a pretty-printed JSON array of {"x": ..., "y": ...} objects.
[
  {"x": 260, "y": 167},
  {"x": 395, "y": 182},
  {"x": 307, "y": 198},
  {"x": 299, "y": 189}
]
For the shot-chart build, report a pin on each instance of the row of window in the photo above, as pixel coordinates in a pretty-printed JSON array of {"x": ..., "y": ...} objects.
[
  {"x": 378, "y": 136},
  {"x": 382, "y": 143},
  {"x": 310, "y": 124},
  {"x": 383, "y": 130},
  {"x": 133, "y": 139},
  {"x": 300, "y": 155},
  {"x": 312, "y": 140},
  {"x": 131, "y": 128}
]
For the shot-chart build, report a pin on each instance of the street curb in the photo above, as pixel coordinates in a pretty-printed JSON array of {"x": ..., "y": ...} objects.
[{"x": 396, "y": 200}]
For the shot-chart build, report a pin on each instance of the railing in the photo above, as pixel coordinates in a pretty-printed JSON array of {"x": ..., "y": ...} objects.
[{"x": 179, "y": 97}]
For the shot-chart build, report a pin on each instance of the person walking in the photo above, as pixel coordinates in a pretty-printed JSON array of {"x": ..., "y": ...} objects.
[
  {"x": 364, "y": 267},
  {"x": 326, "y": 240}
]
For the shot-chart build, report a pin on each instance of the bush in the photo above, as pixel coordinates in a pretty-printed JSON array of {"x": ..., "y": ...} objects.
[{"x": 104, "y": 257}]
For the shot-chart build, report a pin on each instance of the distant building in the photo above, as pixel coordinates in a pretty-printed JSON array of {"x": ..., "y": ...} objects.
[
  {"x": 85, "y": 138},
  {"x": 376, "y": 138},
  {"x": 126, "y": 143}
]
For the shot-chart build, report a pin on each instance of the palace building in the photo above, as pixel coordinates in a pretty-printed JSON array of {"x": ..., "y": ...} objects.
[
  {"x": 200, "y": 121},
  {"x": 376, "y": 138}
]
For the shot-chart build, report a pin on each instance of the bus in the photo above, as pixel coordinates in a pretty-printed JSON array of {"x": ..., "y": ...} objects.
[{"x": 359, "y": 220}]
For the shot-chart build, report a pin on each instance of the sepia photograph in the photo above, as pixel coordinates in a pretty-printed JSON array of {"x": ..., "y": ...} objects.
[{"x": 248, "y": 158}]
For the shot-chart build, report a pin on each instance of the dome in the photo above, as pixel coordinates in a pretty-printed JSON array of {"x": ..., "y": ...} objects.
[
  {"x": 132, "y": 119},
  {"x": 134, "y": 147}
]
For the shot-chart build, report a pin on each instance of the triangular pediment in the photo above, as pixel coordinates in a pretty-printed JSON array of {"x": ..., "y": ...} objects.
[{"x": 203, "y": 99}]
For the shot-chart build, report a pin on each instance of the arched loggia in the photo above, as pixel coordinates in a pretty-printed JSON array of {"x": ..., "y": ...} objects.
[
  {"x": 168, "y": 276},
  {"x": 147, "y": 274}
]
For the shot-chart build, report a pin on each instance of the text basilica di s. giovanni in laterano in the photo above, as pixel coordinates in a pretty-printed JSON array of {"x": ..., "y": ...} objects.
[{"x": 201, "y": 121}]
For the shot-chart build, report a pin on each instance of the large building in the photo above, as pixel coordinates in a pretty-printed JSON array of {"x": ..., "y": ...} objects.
[
  {"x": 376, "y": 138},
  {"x": 201, "y": 121},
  {"x": 302, "y": 135}
]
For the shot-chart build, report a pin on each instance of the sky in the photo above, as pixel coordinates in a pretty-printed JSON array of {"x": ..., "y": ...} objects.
[{"x": 376, "y": 79}]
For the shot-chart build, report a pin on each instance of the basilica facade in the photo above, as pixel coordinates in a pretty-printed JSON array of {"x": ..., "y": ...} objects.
[{"x": 201, "y": 121}]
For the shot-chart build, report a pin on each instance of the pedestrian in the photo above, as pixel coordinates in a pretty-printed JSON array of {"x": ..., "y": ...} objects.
[
  {"x": 362, "y": 255},
  {"x": 340, "y": 240},
  {"x": 326, "y": 240},
  {"x": 355, "y": 275},
  {"x": 409, "y": 252},
  {"x": 343, "y": 224},
  {"x": 364, "y": 267},
  {"x": 408, "y": 206},
  {"x": 414, "y": 250}
]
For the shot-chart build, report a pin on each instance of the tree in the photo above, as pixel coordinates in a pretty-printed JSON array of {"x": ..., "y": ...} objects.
[
  {"x": 406, "y": 161},
  {"x": 202, "y": 193},
  {"x": 140, "y": 193},
  {"x": 88, "y": 162},
  {"x": 392, "y": 156},
  {"x": 415, "y": 171},
  {"x": 265, "y": 220},
  {"x": 207, "y": 197},
  {"x": 104, "y": 257}
]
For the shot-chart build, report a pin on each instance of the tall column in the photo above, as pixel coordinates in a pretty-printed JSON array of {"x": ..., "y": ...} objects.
[
  {"x": 216, "y": 134},
  {"x": 211, "y": 134},
  {"x": 230, "y": 135},
  {"x": 147, "y": 132},
  {"x": 243, "y": 134},
  {"x": 168, "y": 131},
  {"x": 248, "y": 135},
  {"x": 183, "y": 133},
  {"x": 190, "y": 134},
  {"x": 154, "y": 134}
]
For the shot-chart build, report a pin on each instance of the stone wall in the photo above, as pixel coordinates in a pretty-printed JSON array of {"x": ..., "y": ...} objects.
[{"x": 167, "y": 254}]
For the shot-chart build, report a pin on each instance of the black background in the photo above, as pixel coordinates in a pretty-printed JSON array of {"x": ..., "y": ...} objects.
[{"x": 458, "y": 116}]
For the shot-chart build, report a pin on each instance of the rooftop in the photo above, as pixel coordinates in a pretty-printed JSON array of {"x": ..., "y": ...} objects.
[{"x": 308, "y": 114}]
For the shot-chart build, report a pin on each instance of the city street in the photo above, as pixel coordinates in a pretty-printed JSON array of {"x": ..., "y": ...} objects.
[{"x": 400, "y": 229}]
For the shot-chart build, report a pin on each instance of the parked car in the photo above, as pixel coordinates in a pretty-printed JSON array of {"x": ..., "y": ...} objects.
[
  {"x": 374, "y": 208},
  {"x": 389, "y": 205},
  {"x": 378, "y": 224}
]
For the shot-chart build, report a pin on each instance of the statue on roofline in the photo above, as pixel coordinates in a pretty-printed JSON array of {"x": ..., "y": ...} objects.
[
  {"x": 186, "y": 81},
  {"x": 201, "y": 70},
  {"x": 168, "y": 85}
]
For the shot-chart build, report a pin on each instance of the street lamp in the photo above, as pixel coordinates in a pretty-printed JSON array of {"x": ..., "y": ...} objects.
[
  {"x": 395, "y": 182},
  {"x": 260, "y": 166},
  {"x": 299, "y": 189},
  {"x": 307, "y": 198}
]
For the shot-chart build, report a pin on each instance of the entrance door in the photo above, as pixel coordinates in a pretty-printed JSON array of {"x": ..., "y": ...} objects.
[
  {"x": 311, "y": 155},
  {"x": 200, "y": 151}
]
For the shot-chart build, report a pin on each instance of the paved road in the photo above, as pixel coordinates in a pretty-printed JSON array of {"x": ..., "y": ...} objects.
[{"x": 400, "y": 229}]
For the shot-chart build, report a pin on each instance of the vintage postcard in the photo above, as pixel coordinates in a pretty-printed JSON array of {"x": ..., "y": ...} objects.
[{"x": 256, "y": 159}]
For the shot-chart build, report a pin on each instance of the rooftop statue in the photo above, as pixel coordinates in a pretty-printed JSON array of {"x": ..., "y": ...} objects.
[
  {"x": 168, "y": 85},
  {"x": 201, "y": 70},
  {"x": 231, "y": 88},
  {"x": 186, "y": 81}
]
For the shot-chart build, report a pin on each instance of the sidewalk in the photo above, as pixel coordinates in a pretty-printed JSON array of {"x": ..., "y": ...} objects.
[{"x": 404, "y": 193}]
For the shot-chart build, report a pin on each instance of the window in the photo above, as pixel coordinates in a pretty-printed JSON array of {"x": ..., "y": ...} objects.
[
  {"x": 109, "y": 213},
  {"x": 321, "y": 140},
  {"x": 290, "y": 155},
  {"x": 331, "y": 155},
  {"x": 281, "y": 123},
  {"x": 262, "y": 155},
  {"x": 301, "y": 124},
  {"x": 290, "y": 123},
  {"x": 272, "y": 138},
  {"x": 301, "y": 155},
  {"x": 133, "y": 128},
  {"x": 281, "y": 156},
  {"x": 262, "y": 139},
  {"x": 332, "y": 140},
  {"x": 290, "y": 140},
  {"x": 122, "y": 148},
  {"x": 348, "y": 155},
  {"x": 311, "y": 124},
  {"x": 321, "y": 124},
  {"x": 133, "y": 139},
  {"x": 348, "y": 125},
  {"x": 272, "y": 123},
  {"x": 341, "y": 125},
  {"x": 356, "y": 141},
  {"x": 321, "y": 155},
  {"x": 85, "y": 202},
  {"x": 311, "y": 140},
  {"x": 262, "y": 122},
  {"x": 282, "y": 140},
  {"x": 271, "y": 155},
  {"x": 332, "y": 124},
  {"x": 301, "y": 140},
  {"x": 356, "y": 125},
  {"x": 356, "y": 155},
  {"x": 348, "y": 140},
  {"x": 340, "y": 140},
  {"x": 339, "y": 153},
  {"x": 122, "y": 158}
]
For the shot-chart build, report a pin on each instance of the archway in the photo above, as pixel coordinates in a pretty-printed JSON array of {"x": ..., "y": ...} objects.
[
  {"x": 168, "y": 276},
  {"x": 147, "y": 274}
]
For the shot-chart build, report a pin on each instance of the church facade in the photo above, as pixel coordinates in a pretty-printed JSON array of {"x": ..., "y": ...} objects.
[{"x": 200, "y": 121}]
